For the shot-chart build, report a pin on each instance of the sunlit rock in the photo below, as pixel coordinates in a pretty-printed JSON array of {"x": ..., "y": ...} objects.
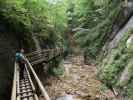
[
  {"x": 124, "y": 77},
  {"x": 130, "y": 43}
]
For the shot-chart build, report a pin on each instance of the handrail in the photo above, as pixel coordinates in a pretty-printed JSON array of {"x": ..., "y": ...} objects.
[
  {"x": 33, "y": 87},
  {"x": 13, "y": 95},
  {"x": 34, "y": 56},
  {"x": 15, "y": 87},
  {"x": 43, "y": 57},
  {"x": 36, "y": 52},
  {"x": 42, "y": 51},
  {"x": 17, "y": 82},
  {"x": 43, "y": 91}
]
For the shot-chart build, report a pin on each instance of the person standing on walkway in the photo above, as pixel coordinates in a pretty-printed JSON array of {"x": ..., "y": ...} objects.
[{"x": 21, "y": 62}]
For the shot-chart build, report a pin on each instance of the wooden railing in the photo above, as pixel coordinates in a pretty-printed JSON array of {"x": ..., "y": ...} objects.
[
  {"x": 14, "y": 88},
  {"x": 43, "y": 55},
  {"x": 31, "y": 59},
  {"x": 43, "y": 91},
  {"x": 37, "y": 57}
]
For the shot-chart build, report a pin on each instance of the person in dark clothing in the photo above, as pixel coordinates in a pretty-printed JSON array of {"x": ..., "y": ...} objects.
[{"x": 21, "y": 62}]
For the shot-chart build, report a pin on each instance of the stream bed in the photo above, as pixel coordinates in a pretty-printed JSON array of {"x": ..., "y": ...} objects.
[{"x": 79, "y": 82}]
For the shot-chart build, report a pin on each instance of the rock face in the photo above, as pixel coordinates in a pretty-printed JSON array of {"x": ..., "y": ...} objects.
[
  {"x": 120, "y": 34},
  {"x": 7, "y": 51},
  {"x": 122, "y": 24},
  {"x": 118, "y": 58}
]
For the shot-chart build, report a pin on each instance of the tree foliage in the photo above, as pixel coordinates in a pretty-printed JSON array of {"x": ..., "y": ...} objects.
[
  {"x": 96, "y": 20},
  {"x": 39, "y": 17}
]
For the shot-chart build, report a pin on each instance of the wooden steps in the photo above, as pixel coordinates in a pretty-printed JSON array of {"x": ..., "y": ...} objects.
[{"x": 26, "y": 89}]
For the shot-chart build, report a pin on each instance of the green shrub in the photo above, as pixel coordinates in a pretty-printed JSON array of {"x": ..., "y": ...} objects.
[
  {"x": 56, "y": 67},
  {"x": 130, "y": 90},
  {"x": 115, "y": 62},
  {"x": 58, "y": 71},
  {"x": 94, "y": 38}
]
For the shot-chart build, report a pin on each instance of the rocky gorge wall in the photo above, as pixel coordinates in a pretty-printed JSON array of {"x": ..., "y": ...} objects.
[{"x": 116, "y": 67}]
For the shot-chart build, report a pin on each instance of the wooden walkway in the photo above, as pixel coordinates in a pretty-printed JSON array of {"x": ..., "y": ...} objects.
[
  {"x": 25, "y": 89},
  {"x": 37, "y": 57}
]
